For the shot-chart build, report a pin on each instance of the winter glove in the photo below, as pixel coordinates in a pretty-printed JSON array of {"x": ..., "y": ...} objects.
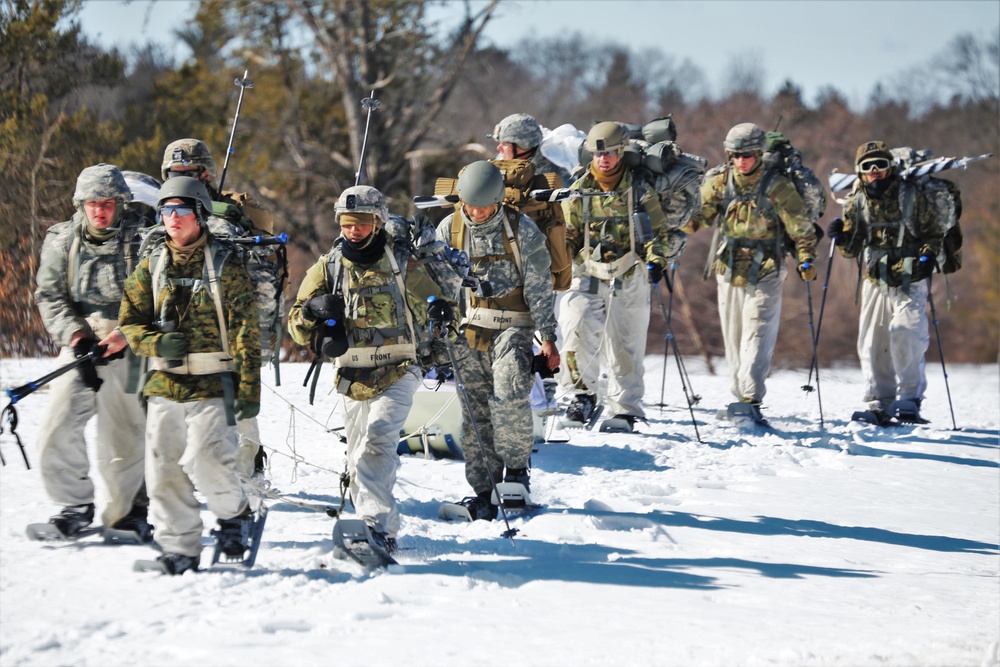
[
  {"x": 927, "y": 255},
  {"x": 655, "y": 272},
  {"x": 440, "y": 311},
  {"x": 172, "y": 346},
  {"x": 326, "y": 307},
  {"x": 807, "y": 269},
  {"x": 836, "y": 231},
  {"x": 246, "y": 410},
  {"x": 775, "y": 139},
  {"x": 329, "y": 340},
  {"x": 88, "y": 345},
  {"x": 88, "y": 372}
]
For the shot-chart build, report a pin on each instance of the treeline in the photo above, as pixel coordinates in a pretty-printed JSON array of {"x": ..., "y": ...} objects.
[{"x": 67, "y": 103}]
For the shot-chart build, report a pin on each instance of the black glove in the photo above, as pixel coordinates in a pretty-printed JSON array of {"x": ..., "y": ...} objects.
[
  {"x": 326, "y": 307},
  {"x": 440, "y": 311},
  {"x": 88, "y": 372},
  {"x": 329, "y": 341},
  {"x": 88, "y": 345},
  {"x": 655, "y": 272},
  {"x": 836, "y": 231},
  {"x": 540, "y": 365}
]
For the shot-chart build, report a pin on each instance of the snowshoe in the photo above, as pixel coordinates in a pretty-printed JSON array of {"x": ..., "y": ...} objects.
[
  {"x": 582, "y": 412},
  {"x": 72, "y": 523},
  {"x": 238, "y": 539},
  {"x": 742, "y": 411},
  {"x": 907, "y": 411},
  {"x": 168, "y": 563},
  {"x": 619, "y": 424},
  {"x": 354, "y": 539},
  {"x": 876, "y": 416},
  {"x": 514, "y": 496},
  {"x": 133, "y": 528},
  {"x": 470, "y": 508}
]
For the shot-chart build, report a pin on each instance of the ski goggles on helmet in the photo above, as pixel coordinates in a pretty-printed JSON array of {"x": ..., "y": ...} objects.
[
  {"x": 179, "y": 209},
  {"x": 874, "y": 164}
]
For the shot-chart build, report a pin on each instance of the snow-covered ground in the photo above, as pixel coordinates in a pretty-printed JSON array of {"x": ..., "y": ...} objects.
[{"x": 845, "y": 546}]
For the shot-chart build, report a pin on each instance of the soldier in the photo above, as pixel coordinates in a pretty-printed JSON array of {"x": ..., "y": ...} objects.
[
  {"x": 237, "y": 217},
  {"x": 508, "y": 255},
  {"x": 376, "y": 292},
  {"x": 84, "y": 262},
  {"x": 757, "y": 209},
  {"x": 189, "y": 307},
  {"x": 891, "y": 224},
  {"x": 519, "y": 137},
  {"x": 622, "y": 243}
]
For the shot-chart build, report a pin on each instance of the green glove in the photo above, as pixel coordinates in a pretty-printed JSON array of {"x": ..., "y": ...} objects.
[
  {"x": 172, "y": 346},
  {"x": 776, "y": 139},
  {"x": 246, "y": 410}
]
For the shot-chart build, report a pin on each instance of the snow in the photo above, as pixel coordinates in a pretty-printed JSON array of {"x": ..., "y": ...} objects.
[{"x": 845, "y": 546}]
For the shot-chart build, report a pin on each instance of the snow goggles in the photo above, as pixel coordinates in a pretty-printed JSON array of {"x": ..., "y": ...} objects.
[
  {"x": 180, "y": 210},
  {"x": 874, "y": 164}
]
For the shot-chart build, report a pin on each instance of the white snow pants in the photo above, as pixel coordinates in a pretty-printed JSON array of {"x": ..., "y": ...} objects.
[
  {"x": 120, "y": 450},
  {"x": 609, "y": 326},
  {"x": 249, "y": 438},
  {"x": 372, "y": 429},
  {"x": 749, "y": 331},
  {"x": 190, "y": 446},
  {"x": 892, "y": 340}
]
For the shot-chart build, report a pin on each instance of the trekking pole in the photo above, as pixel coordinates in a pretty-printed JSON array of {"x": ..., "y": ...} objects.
[
  {"x": 815, "y": 360},
  {"x": 666, "y": 342},
  {"x": 937, "y": 335},
  {"x": 243, "y": 83},
  {"x": 807, "y": 387},
  {"x": 9, "y": 415},
  {"x": 460, "y": 388},
  {"x": 689, "y": 395},
  {"x": 369, "y": 103}
]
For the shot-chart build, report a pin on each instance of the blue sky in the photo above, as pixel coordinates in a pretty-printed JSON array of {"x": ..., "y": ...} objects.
[{"x": 850, "y": 44}]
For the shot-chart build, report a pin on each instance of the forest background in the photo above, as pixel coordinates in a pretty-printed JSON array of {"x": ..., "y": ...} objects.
[{"x": 67, "y": 103}]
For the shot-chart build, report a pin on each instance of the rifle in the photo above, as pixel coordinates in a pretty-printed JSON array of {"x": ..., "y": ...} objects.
[
  {"x": 838, "y": 181},
  {"x": 243, "y": 83}
]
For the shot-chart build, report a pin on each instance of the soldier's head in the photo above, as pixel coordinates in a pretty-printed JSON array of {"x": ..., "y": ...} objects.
[
  {"x": 606, "y": 143},
  {"x": 481, "y": 189},
  {"x": 183, "y": 204},
  {"x": 745, "y": 145},
  {"x": 517, "y": 136},
  {"x": 100, "y": 193},
  {"x": 361, "y": 211},
  {"x": 873, "y": 161},
  {"x": 188, "y": 157}
]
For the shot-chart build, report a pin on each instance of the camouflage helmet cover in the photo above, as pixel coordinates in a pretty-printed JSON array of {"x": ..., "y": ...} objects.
[
  {"x": 480, "y": 184},
  {"x": 519, "y": 129},
  {"x": 187, "y": 152},
  {"x": 605, "y": 137},
  {"x": 363, "y": 199},
  {"x": 185, "y": 187},
  {"x": 871, "y": 149},
  {"x": 101, "y": 181},
  {"x": 744, "y": 138}
]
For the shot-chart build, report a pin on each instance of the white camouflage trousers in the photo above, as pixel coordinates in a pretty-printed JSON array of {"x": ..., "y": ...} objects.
[
  {"x": 190, "y": 446},
  {"x": 249, "y": 438},
  {"x": 749, "y": 331},
  {"x": 611, "y": 327},
  {"x": 372, "y": 428},
  {"x": 120, "y": 450},
  {"x": 892, "y": 340}
]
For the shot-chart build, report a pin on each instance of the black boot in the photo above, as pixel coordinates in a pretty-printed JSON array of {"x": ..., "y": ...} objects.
[{"x": 73, "y": 519}]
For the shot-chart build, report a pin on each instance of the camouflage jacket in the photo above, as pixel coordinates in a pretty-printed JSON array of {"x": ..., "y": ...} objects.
[
  {"x": 194, "y": 311},
  {"x": 743, "y": 223},
  {"x": 609, "y": 225},
  {"x": 491, "y": 261},
  {"x": 371, "y": 297},
  {"x": 876, "y": 228},
  {"x": 78, "y": 277}
]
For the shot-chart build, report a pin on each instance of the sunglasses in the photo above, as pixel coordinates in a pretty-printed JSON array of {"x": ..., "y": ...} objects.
[
  {"x": 604, "y": 153},
  {"x": 874, "y": 164},
  {"x": 743, "y": 156},
  {"x": 179, "y": 210}
]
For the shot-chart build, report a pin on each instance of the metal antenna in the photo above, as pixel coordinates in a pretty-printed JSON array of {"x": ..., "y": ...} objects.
[
  {"x": 369, "y": 103},
  {"x": 243, "y": 83}
]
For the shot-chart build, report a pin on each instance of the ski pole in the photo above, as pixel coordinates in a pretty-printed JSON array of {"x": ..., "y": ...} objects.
[
  {"x": 369, "y": 103},
  {"x": 666, "y": 342},
  {"x": 937, "y": 335},
  {"x": 243, "y": 83},
  {"x": 460, "y": 387},
  {"x": 812, "y": 336},
  {"x": 10, "y": 416},
  {"x": 819, "y": 322},
  {"x": 691, "y": 397}
]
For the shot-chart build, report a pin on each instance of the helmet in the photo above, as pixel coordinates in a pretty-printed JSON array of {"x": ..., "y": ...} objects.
[
  {"x": 185, "y": 187},
  {"x": 480, "y": 184},
  {"x": 873, "y": 149},
  {"x": 363, "y": 199},
  {"x": 744, "y": 138},
  {"x": 520, "y": 129},
  {"x": 605, "y": 137},
  {"x": 187, "y": 152},
  {"x": 102, "y": 181}
]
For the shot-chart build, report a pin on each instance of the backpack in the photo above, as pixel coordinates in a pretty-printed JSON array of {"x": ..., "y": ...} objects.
[
  {"x": 947, "y": 201},
  {"x": 519, "y": 179}
]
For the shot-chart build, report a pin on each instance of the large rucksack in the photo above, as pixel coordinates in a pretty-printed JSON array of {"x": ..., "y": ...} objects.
[
  {"x": 947, "y": 201},
  {"x": 519, "y": 179}
]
